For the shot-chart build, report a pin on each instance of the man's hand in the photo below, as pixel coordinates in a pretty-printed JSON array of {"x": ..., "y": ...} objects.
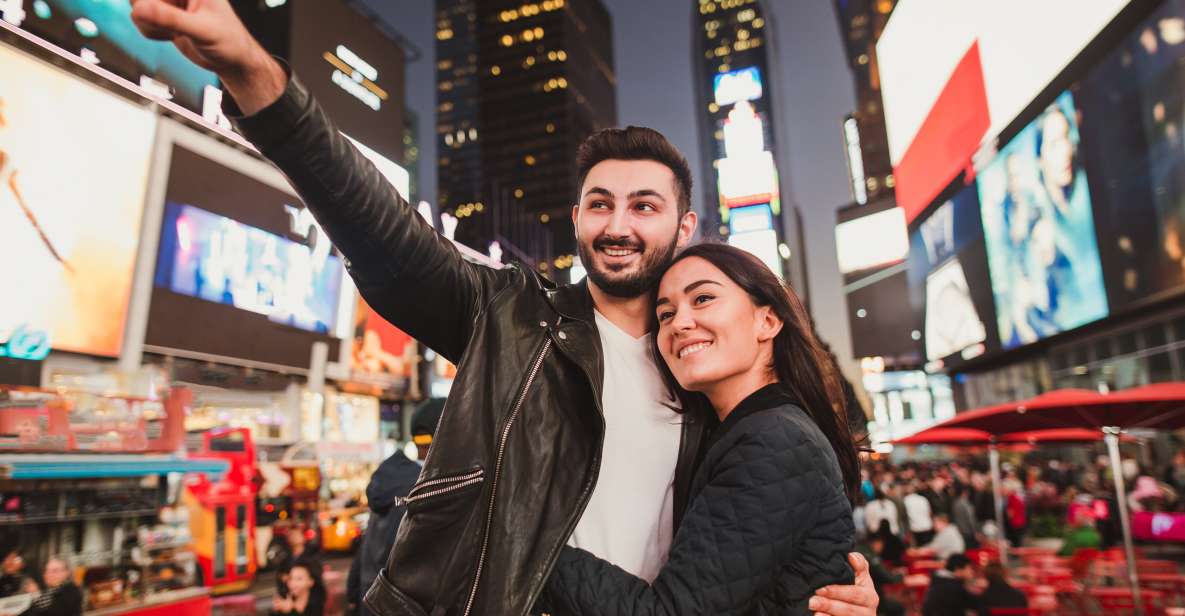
[
  {"x": 210, "y": 34},
  {"x": 857, "y": 600}
]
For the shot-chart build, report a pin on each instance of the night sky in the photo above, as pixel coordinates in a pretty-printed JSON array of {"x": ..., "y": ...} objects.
[{"x": 652, "y": 48}]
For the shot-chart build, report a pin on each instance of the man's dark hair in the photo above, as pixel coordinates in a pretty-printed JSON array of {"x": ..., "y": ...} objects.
[
  {"x": 956, "y": 562},
  {"x": 636, "y": 143}
]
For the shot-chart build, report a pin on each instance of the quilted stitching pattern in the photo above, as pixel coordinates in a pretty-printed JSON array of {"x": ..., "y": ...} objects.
[{"x": 768, "y": 523}]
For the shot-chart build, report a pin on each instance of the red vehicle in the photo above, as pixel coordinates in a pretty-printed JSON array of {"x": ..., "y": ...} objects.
[{"x": 222, "y": 513}]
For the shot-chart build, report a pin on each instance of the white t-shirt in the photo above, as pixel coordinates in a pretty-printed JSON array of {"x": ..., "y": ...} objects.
[
  {"x": 628, "y": 521},
  {"x": 881, "y": 509},
  {"x": 946, "y": 542},
  {"x": 917, "y": 510}
]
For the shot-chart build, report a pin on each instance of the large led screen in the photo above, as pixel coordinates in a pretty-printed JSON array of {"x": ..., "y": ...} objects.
[
  {"x": 102, "y": 32},
  {"x": 1132, "y": 109},
  {"x": 220, "y": 260},
  {"x": 949, "y": 282},
  {"x": 73, "y": 168},
  {"x": 954, "y": 74},
  {"x": 1039, "y": 229},
  {"x": 241, "y": 271}
]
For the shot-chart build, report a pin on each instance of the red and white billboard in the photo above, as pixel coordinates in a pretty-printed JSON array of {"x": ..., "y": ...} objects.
[{"x": 955, "y": 73}]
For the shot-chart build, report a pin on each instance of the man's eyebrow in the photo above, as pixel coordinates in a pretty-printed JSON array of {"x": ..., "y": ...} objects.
[
  {"x": 647, "y": 192},
  {"x": 597, "y": 190}
]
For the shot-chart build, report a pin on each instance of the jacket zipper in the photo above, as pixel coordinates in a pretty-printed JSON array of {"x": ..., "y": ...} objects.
[
  {"x": 457, "y": 482},
  {"x": 518, "y": 405}
]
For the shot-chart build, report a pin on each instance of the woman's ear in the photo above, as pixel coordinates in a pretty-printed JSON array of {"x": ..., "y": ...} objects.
[{"x": 768, "y": 324}]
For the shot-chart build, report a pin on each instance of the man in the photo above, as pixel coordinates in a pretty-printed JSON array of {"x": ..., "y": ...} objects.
[
  {"x": 549, "y": 377},
  {"x": 947, "y": 540},
  {"x": 385, "y": 494},
  {"x": 999, "y": 593},
  {"x": 948, "y": 594},
  {"x": 919, "y": 516}
]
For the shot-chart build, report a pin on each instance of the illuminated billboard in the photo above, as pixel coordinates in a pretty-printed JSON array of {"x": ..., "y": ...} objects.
[
  {"x": 954, "y": 74},
  {"x": 871, "y": 241},
  {"x": 751, "y": 218},
  {"x": 74, "y": 163},
  {"x": 735, "y": 86},
  {"x": 748, "y": 180},
  {"x": 220, "y": 260},
  {"x": 744, "y": 132},
  {"x": 762, "y": 244},
  {"x": 1039, "y": 227},
  {"x": 102, "y": 33}
]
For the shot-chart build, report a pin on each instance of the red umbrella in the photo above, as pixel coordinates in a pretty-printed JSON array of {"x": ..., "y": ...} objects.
[
  {"x": 970, "y": 437},
  {"x": 1160, "y": 406}
]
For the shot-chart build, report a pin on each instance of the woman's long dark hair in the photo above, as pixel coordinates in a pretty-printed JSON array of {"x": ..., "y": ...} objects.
[{"x": 800, "y": 363}]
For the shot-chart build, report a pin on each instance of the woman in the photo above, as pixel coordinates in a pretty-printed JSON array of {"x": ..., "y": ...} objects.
[
  {"x": 306, "y": 595},
  {"x": 61, "y": 596},
  {"x": 769, "y": 519}
]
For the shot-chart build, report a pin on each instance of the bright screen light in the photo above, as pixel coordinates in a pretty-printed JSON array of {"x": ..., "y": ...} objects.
[
  {"x": 739, "y": 85},
  {"x": 744, "y": 132},
  {"x": 217, "y": 259},
  {"x": 871, "y": 241},
  {"x": 762, "y": 244},
  {"x": 952, "y": 324},
  {"x": 954, "y": 74},
  {"x": 746, "y": 180},
  {"x": 751, "y": 218},
  {"x": 73, "y": 166}
]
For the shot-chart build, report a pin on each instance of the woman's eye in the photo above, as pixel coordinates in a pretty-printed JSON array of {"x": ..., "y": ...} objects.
[
  {"x": 663, "y": 316},
  {"x": 699, "y": 299}
]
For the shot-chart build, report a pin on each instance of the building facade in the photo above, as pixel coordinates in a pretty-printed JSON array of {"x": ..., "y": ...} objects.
[
  {"x": 519, "y": 87},
  {"x": 744, "y": 201}
]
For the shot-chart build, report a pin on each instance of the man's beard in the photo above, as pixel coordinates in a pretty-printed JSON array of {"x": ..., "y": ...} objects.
[{"x": 650, "y": 268}]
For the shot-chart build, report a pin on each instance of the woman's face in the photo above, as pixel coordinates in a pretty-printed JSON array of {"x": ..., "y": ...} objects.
[
  {"x": 709, "y": 329},
  {"x": 299, "y": 581}
]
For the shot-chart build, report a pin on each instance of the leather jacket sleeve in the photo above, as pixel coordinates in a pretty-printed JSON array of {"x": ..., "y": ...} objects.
[
  {"x": 739, "y": 533},
  {"x": 407, "y": 272}
]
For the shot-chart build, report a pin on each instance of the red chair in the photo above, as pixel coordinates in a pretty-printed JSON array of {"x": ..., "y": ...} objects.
[
  {"x": 1170, "y": 584},
  {"x": 1017, "y": 611},
  {"x": 1157, "y": 566},
  {"x": 1082, "y": 561},
  {"x": 1114, "y": 601},
  {"x": 925, "y": 566}
]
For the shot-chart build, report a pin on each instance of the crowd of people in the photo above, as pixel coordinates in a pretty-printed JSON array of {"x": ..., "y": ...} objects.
[
  {"x": 26, "y": 592},
  {"x": 944, "y": 510}
]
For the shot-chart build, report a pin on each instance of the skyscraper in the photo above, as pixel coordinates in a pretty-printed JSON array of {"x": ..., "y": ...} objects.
[
  {"x": 519, "y": 87},
  {"x": 861, "y": 22},
  {"x": 743, "y": 199}
]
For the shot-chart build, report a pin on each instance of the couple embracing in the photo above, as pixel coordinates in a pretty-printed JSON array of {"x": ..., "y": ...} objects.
[{"x": 665, "y": 437}]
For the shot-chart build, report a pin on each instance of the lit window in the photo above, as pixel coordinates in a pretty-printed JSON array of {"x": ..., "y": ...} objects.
[
  {"x": 544, "y": 218},
  {"x": 538, "y": 33},
  {"x": 473, "y": 134},
  {"x": 444, "y": 35},
  {"x": 444, "y": 65},
  {"x": 551, "y": 56},
  {"x": 758, "y": 23},
  {"x": 550, "y": 128},
  {"x": 507, "y": 40},
  {"x": 743, "y": 35},
  {"x": 562, "y": 55},
  {"x": 518, "y": 193},
  {"x": 528, "y": 35},
  {"x": 529, "y": 159},
  {"x": 448, "y": 139},
  {"x": 495, "y": 70},
  {"x": 713, "y": 107},
  {"x": 561, "y": 82},
  {"x": 529, "y": 62}
]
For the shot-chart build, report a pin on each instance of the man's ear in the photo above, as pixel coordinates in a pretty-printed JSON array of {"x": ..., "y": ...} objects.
[
  {"x": 687, "y": 224},
  {"x": 575, "y": 219}
]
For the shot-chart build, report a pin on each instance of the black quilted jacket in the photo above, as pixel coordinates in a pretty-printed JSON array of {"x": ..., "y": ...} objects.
[{"x": 767, "y": 524}]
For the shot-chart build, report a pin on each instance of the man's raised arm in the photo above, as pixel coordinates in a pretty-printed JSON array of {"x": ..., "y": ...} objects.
[{"x": 408, "y": 273}]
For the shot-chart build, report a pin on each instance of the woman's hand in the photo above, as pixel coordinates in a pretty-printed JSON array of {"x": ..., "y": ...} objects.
[
  {"x": 282, "y": 604},
  {"x": 859, "y": 599}
]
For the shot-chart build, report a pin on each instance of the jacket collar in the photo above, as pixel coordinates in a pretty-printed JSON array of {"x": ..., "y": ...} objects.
[{"x": 572, "y": 301}]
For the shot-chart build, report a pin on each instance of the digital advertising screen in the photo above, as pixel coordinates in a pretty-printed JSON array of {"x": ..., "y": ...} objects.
[
  {"x": 870, "y": 241},
  {"x": 241, "y": 272},
  {"x": 954, "y": 74},
  {"x": 739, "y": 85},
  {"x": 217, "y": 259},
  {"x": 748, "y": 179},
  {"x": 74, "y": 164},
  {"x": 761, "y": 244},
  {"x": 1038, "y": 225},
  {"x": 949, "y": 282},
  {"x": 101, "y": 32},
  {"x": 1132, "y": 111}
]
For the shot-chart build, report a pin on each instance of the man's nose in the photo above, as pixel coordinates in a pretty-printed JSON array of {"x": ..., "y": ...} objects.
[{"x": 619, "y": 223}]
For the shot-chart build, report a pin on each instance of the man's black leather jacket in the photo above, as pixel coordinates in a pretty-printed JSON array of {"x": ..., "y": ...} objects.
[{"x": 518, "y": 448}]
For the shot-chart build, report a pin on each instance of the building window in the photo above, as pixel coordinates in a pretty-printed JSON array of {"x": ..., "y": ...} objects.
[{"x": 444, "y": 35}]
